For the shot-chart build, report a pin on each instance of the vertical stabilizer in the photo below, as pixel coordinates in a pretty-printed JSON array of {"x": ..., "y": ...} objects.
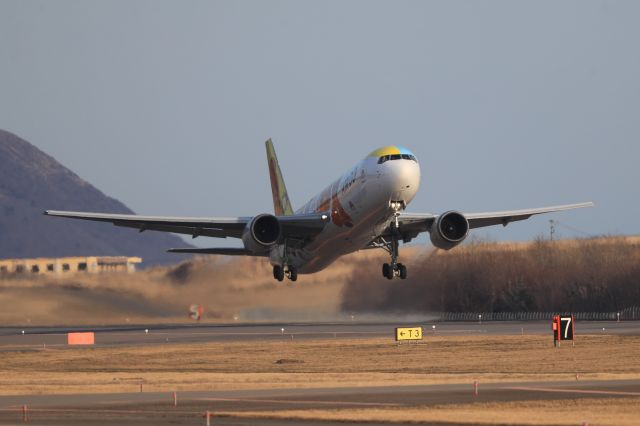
[{"x": 281, "y": 203}]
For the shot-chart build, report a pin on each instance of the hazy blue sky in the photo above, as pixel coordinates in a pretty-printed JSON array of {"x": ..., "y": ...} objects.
[{"x": 166, "y": 105}]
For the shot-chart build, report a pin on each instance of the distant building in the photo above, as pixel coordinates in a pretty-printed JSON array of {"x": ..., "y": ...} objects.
[{"x": 66, "y": 265}]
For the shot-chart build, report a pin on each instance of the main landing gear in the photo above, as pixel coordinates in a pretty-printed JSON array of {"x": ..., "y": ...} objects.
[
  {"x": 282, "y": 270},
  {"x": 279, "y": 272},
  {"x": 393, "y": 269}
]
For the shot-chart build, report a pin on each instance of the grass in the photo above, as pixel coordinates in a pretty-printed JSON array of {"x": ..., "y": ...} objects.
[
  {"x": 327, "y": 363},
  {"x": 349, "y": 362}
]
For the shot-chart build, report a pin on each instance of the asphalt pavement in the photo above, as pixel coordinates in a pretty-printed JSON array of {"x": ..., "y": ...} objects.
[{"x": 24, "y": 338}]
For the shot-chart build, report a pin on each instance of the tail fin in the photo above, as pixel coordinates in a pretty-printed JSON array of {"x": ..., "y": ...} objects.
[{"x": 281, "y": 203}]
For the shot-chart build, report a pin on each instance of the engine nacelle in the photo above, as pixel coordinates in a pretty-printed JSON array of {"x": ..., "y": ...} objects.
[
  {"x": 262, "y": 232},
  {"x": 449, "y": 230}
]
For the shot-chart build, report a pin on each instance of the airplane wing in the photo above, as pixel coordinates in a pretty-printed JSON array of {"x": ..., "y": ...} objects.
[
  {"x": 300, "y": 226},
  {"x": 479, "y": 220},
  {"x": 412, "y": 224}
]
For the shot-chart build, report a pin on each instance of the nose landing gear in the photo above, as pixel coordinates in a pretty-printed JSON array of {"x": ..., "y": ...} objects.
[
  {"x": 390, "y": 270},
  {"x": 393, "y": 269}
]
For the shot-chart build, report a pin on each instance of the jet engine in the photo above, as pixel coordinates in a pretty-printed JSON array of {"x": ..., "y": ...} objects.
[
  {"x": 449, "y": 230},
  {"x": 261, "y": 233}
]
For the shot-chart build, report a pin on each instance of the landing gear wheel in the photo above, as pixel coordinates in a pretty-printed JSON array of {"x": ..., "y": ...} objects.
[
  {"x": 293, "y": 273},
  {"x": 387, "y": 271},
  {"x": 393, "y": 269},
  {"x": 402, "y": 271},
  {"x": 278, "y": 272}
]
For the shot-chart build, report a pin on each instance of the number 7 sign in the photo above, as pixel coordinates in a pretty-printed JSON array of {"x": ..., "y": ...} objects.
[{"x": 563, "y": 327}]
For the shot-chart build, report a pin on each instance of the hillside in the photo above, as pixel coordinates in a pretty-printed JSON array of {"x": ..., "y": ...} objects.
[{"x": 32, "y": 181}]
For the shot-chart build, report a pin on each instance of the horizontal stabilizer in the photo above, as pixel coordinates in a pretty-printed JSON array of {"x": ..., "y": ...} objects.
[{"x": 217, "y": 250}]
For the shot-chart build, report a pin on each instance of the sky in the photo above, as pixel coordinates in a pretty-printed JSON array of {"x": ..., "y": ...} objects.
[{"x": 166, "y": 105}]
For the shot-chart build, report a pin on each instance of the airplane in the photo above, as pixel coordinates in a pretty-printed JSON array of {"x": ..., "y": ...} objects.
[{"x": 363, "y": 209}]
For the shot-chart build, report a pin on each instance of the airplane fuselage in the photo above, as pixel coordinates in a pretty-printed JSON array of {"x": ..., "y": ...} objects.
[{"x": 362, "y": 203}]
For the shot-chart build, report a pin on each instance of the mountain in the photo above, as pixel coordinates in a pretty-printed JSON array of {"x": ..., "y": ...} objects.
[{"x": 32, "y": 181}]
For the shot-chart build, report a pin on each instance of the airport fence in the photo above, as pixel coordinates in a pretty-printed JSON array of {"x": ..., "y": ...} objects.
[{"x": 628, "y": 314}]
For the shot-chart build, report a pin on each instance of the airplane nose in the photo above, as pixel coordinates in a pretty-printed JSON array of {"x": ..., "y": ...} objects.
[{"x": 402, "y": 178}]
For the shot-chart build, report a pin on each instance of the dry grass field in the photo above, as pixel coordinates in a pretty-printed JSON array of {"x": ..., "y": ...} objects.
[
  {"x": 358, "y": 362},
  {"x": 322, "y": 363}
]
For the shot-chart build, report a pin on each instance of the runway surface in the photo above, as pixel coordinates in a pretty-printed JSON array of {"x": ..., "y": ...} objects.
[{"x": 12, "y": 338}]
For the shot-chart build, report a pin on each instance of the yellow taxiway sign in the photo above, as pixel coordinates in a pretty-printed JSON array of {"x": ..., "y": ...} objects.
[{"x": 408, "y": 333}]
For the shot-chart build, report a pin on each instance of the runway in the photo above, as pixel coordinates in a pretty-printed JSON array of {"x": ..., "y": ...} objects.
[
  {"x": 146, "y": 408},
  {"x": 12, "y": 338}
]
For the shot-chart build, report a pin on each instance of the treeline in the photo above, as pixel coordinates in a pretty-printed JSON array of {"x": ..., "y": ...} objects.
[{"x": 589, "y": 275}]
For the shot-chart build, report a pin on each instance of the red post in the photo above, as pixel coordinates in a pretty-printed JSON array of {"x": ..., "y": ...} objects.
[
  {"x": 175, "y": 399},
  {"x": 25, "y": 419},
  {"x": 475, "y": 388},
  {"x": 207, "y": 415}
]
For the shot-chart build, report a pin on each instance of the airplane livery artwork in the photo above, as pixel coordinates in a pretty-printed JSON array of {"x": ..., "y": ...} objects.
[{"x": 363, "y": 209}]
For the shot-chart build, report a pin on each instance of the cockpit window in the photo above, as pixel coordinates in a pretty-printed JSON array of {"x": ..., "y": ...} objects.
[{"x": 385, "y": 158}]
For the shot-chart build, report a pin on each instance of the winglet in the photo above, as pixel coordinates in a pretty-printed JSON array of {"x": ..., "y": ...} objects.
[{"x": 281, "y": 203}]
